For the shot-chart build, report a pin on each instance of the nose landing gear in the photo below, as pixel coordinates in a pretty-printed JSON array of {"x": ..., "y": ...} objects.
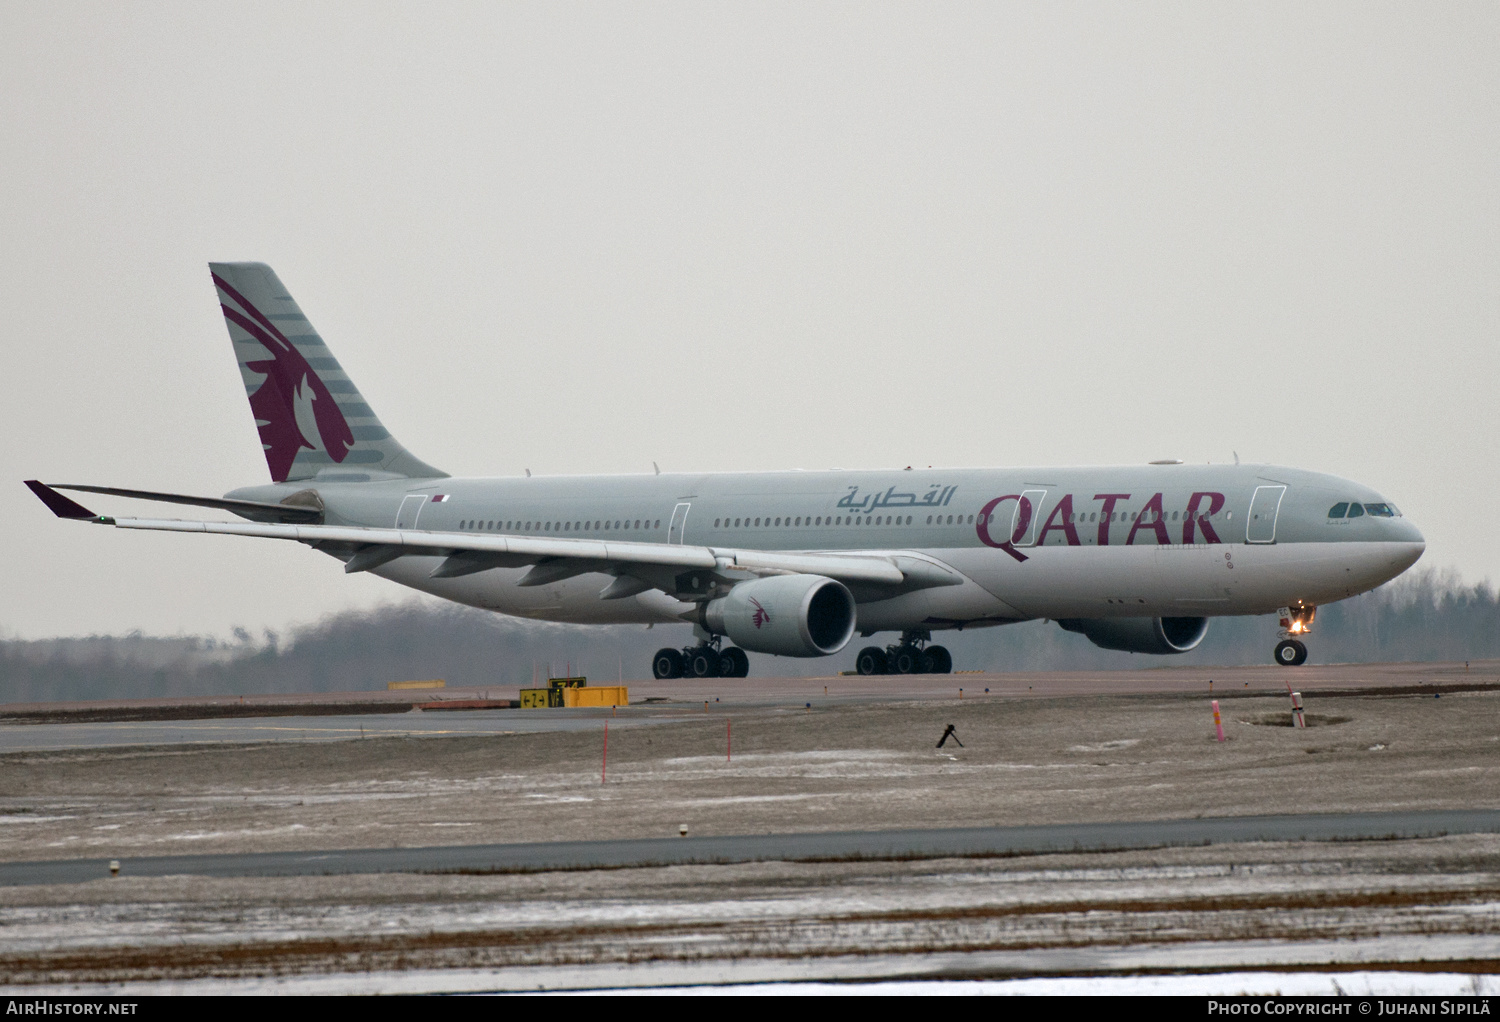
[
  {"x": 1295, "y": 621},
  {"x": 1290, "y": 653}
]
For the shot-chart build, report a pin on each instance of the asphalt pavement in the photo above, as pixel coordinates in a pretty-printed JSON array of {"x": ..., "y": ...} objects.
[
  {"x": 803, "y": 847},
  {"x": 323, "y": 728}
]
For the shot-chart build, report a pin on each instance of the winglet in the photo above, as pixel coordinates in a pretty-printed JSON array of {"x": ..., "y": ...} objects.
[{"x": 57, "y": 503}]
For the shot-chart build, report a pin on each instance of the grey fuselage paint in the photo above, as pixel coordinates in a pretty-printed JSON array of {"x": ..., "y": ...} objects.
[{"x": 1091, "y": 542}]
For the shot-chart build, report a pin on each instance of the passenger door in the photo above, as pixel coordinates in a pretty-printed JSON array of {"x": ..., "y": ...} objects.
[
  {"x": 1260, "y": 524},
  {"x": 411, "y": 510},
  {"x": 678, "y": 523},
  {"x": 1032, "y": 499}
]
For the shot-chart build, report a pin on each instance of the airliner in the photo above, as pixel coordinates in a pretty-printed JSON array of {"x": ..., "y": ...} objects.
[{"x": 1135, "y": 558}]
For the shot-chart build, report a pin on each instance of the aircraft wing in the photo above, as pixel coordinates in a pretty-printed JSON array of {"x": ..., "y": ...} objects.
[
  {"x": 553, "y": 558},
  {"x": 253, "y": 509}
]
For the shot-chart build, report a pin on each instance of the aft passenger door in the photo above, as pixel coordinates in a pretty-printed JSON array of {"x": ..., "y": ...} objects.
[
  {"x": 1260, "y": 524},
  {"x": 678, "y": 523},
  {"x": 411, "y": 510}
]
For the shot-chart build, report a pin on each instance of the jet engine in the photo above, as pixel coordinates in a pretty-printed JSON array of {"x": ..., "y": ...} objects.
[
  {"x": 1141, "y": 634},
  {"x": 789, "y": 615}
]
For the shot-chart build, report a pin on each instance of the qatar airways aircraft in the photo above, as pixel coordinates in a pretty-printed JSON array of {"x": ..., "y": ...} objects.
[{"x": 1136, "y": 558}]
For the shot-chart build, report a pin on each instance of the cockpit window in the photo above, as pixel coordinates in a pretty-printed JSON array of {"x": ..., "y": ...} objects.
[
  {"x": 1380, "y": 510},
  {"x": 1338, "y": 510},
  {"x": 1355, "y": 511}
]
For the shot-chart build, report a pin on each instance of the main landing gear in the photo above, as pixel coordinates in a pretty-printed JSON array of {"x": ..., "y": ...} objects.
[
  {"x": 911, "y": 655},
  {"x": 1295, "y": 621},
  {"x": 706, "y": 661}
]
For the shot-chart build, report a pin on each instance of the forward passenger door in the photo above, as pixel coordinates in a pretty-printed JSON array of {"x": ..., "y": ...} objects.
[
  {"x": 1030, "y": 526},
  {"x": 1260, "y": 523}
]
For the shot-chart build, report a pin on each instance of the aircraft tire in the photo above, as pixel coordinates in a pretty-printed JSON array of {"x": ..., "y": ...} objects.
[
  {"x": 667, "y": 663},
  {"x": 871, "y": 660},
  {"x": 1290, "y": 653},
  {"x": 936, "y": 660},
  {"x": 906, "y": 660},
  {"x": 703, "y": 662},
  {"x": 733, "y": 663}
]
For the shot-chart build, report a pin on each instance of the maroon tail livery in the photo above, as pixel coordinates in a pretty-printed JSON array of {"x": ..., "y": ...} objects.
[{"x": 310, "y": 416}]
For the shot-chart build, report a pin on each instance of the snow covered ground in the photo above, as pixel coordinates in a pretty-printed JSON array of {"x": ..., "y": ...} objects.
[{"x": 1292, "y": 906}]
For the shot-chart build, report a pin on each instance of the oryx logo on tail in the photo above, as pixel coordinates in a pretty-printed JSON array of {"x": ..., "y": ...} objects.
[{"x": 293, "y": 408}]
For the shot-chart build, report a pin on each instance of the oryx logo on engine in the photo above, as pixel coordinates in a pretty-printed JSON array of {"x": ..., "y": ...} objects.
[{"x": 761, "y": 615}]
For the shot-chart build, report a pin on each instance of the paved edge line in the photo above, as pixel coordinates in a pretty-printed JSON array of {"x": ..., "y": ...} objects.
[{"x": 798, "y": 847}]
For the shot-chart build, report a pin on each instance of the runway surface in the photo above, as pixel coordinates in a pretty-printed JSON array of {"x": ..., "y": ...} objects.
[
  {"x": 805, "y": 847},
  {"x": 657, "y": 701},
  {"x": 469, "y": 723}
]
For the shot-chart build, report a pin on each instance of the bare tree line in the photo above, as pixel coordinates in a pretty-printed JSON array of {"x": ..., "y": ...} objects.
[{"x": 1424, "y": 615}]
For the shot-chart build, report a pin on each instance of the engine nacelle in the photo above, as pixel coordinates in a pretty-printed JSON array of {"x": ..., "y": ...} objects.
[
  {"x": 1141, "y": 634},
  {"x": 789, "y": 615}
]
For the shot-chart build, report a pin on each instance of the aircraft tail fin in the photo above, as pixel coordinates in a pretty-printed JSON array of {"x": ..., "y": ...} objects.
[{"x": 310, "y": 415}]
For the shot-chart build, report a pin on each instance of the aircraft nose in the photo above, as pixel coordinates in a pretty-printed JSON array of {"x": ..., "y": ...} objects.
[
  {"x": 1409, "y": 547},
  {"x": 1406, "y": 532},
  {"x": 1413, "y": 553}
]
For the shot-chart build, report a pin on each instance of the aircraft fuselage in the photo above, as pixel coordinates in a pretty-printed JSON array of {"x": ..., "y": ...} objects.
[{"x": 1140, "y": 541}]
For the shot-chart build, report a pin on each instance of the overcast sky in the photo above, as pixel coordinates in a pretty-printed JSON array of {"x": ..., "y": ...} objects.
[{"x": 583, "y": 237}]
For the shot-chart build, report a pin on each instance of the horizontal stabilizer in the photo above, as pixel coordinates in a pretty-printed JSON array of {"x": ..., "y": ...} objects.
[
  {"x": 253, "y": 509},
  {"x": 57, "y": 503}
]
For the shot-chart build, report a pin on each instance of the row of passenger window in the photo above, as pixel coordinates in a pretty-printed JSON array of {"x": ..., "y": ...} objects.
[
  {"x": 474, "y": 525},
  {"x": 1349, "y": 509},
  {"x": 1079, "y": 518},
  {"x": 803, "y": 521},
  {"x": 1076, "y": 518}
]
